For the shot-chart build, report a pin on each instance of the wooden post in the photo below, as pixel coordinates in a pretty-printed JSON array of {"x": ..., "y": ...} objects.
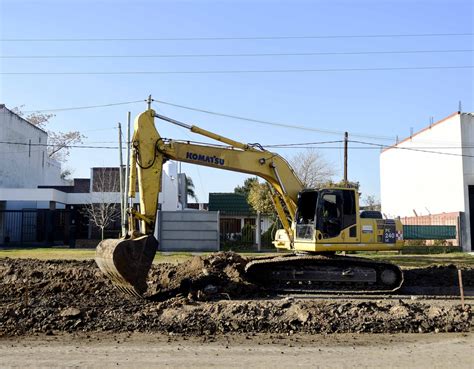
[
  {"x": 258, "y": 231},
  {"x": 461, "y": 288}
]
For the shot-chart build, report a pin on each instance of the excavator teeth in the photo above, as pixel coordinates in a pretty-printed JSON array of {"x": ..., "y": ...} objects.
[{"x": 126, "y": 262}]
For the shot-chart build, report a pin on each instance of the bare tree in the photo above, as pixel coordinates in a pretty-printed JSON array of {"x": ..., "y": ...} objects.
[
  {"x": 103, "y": 208},
  {"x": 372, "y": 203},
  {"x": 312, "y": 168},
  {"x": 59, "y": 142}
]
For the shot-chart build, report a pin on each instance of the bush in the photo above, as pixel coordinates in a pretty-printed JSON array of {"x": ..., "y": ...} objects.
[
  {"x": 248, "y": 232},
  {"x": 415, "y": 243},
  {"x": 268, "y": 236}
]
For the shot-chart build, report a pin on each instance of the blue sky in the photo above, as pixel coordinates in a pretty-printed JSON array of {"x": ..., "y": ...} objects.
[{"x": 374, "y": 103}]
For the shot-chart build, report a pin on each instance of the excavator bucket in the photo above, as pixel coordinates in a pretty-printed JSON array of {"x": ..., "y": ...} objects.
[{"x": 126, "y": 262}]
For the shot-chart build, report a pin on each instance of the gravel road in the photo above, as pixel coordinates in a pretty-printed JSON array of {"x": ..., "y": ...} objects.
[{"x": 240, "y": 351}]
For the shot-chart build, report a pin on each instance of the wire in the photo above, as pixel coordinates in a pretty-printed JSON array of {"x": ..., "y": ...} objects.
[
  {"x": 65, "y": 146},
  {"x": 242, "y": 71},
  {"x": 411, "y": 149},
  {"x": 271, "y": 123},
  {"x": 235, "y": 38},
  {"x": 86, "y": 107},
  {"x": 308, "y": 145},
  {"x": 304, "y": 144},
  {"x": 231, "y": 55}
]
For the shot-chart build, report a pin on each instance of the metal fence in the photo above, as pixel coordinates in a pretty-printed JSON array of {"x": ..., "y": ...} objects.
[
  {"x": 442, "y": 229},
  {"x": 40, "y": 226}
]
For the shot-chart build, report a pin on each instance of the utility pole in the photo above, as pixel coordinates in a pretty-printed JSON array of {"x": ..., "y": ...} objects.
[
  {"x": 122, "y": 214},
  {"x": 346, "y": 140},
  {"x": 127, "y": 172}
]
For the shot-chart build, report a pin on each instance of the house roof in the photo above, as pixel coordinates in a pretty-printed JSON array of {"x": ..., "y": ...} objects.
[
  {"x": 423, "y": 130},
  {"x": 229, "y": 203},
  {"x": 2, "y": 106}
]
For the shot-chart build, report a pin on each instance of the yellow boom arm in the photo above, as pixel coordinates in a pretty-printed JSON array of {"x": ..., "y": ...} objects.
[{"x": 150, "y": 151}]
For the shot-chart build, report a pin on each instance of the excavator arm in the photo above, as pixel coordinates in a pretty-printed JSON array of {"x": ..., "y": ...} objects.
[
  {"x": 150, "y": 151},
  {"x": 127, "y": 261}
]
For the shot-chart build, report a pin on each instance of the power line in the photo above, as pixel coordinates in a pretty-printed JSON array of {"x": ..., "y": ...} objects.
[
  {"x": 271, "y": 123},
  {"x": 285, "y": 37},
  {"x": 64, "y": 146},
  {"x": 85, "y": 107},
  {"x": 232, "y": 55},
  {"x": 266, "y": 71},
  {"x": 411, "y": 149},
  {"x": 304, "y": 144},
  {"x": 277, "y": 124},
  {"x": 371, "y": 145}
]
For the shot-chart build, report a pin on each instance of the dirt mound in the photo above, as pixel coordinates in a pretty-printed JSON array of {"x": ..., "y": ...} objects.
[
  {"x": 71, "y": 296},
  {"x": 438, "y": 276},
  {"x": 218, "y": 275}
]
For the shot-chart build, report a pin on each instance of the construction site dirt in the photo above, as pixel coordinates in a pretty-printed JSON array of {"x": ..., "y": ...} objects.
[{"x": 208, "y": 296}]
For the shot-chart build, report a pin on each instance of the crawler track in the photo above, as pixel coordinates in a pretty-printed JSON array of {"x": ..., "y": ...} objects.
[{"x": 324, "y": 274}]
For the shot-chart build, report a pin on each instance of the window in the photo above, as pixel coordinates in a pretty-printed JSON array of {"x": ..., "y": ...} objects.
[
  {"x": 330, "y": 216},
  {"x": 349, "y": 217},
  {"x": 305, "y": 215}
]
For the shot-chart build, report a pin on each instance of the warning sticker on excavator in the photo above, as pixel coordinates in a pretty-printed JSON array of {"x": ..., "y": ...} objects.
[{"x": 367, "y": 229}]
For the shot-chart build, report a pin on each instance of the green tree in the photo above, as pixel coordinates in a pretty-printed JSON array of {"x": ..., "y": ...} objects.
[
  {"x": 190, "y": 190},
  {"x": 260, "y": 198},
  {"x": 245, "y": 188}
]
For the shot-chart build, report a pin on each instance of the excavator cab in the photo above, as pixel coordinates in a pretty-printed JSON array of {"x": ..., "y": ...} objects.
[{"x": 325, "y": 213}]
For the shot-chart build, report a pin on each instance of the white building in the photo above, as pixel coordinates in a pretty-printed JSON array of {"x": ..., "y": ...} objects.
[
  {"x": 24, "y": 158},
  {"x": 432, "y": 172}
]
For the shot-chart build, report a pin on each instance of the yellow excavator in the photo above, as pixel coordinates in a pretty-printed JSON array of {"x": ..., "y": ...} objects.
[{"x": 317, "y": 223}]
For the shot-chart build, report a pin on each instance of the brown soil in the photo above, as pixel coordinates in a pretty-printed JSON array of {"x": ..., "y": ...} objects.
[{"x": 202, "y": 296}]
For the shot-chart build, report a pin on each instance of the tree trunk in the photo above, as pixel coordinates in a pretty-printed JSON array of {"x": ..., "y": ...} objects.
[{"x": 102, "y": 232}]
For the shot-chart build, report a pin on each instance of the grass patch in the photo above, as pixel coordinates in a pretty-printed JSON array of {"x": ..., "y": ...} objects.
[
  {"x": 415, "y": 261},
  {"x": 406, "y": 261},
  {"x": 64, "y": 253},
  {"x": 48, "y": 253}
]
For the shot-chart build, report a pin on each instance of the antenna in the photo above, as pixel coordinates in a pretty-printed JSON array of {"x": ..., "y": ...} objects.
[{"x": 460, "y": 107}]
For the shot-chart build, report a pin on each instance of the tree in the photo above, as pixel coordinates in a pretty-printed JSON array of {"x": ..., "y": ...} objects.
[
  {"x": 66, "y": 174},
  {"x": 190, "y": 190},
  {"x": 260, "y": 198},
  {"x": 341, "y": 183},
  {"x": 312, "y": 169},
  {"x": 245, "y": 188},
  {"x": 371, "y": 203},
  {"x": 103, "y": 208},
  {"x": 58, "y": 142}
]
